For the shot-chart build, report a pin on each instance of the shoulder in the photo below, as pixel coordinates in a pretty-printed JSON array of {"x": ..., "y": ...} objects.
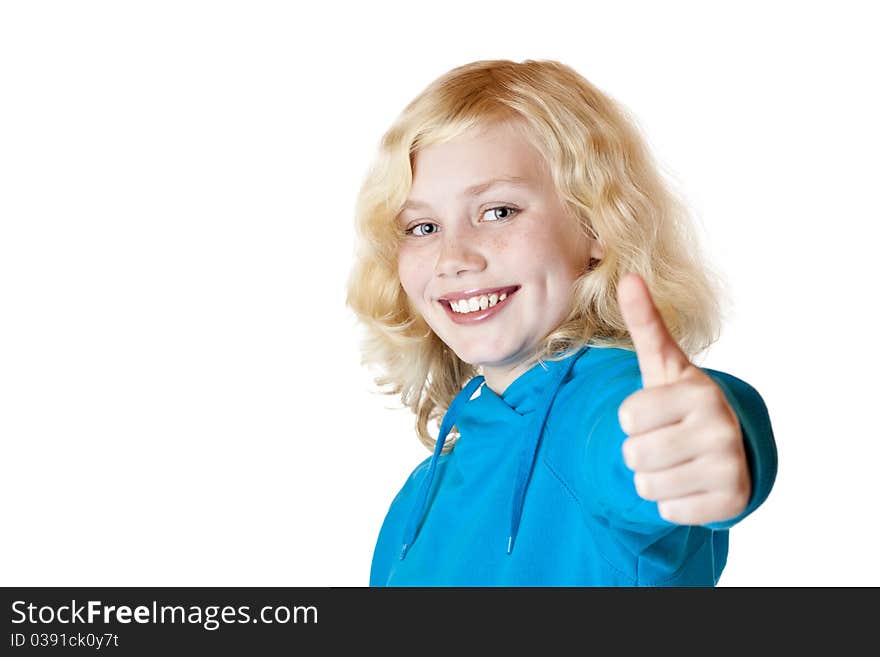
[
  {"x": 585, "y": 408},
  {"x": 583, "y": 436},
  {"x": 403, "y": 500},
  {"x": 414, "y": 478},
  {"x": 597, "y": 384},
  {"x": 728, "y": 381},
  {"x": 414, "y": 481},
  {"x": 602, "y": 379}
]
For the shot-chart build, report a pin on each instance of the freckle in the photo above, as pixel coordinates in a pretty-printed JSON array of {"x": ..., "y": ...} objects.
[{"x": 499, "y": 243}]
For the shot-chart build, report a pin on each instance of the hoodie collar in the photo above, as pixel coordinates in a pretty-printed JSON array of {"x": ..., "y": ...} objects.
[
  {"x": 524, "y": 394},
  {"x": 532, "y": 395},
  {"x": 486, "y": 409}
]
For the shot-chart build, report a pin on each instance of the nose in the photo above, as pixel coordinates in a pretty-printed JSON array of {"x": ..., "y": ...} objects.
[{"x": 459, "y": 253}]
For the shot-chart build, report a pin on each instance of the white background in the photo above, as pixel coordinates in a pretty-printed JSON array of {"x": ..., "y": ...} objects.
[{"x": 181, "y": 395}]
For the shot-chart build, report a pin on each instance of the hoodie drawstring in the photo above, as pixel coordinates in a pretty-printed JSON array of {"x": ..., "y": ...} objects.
[
  {"x": 530, "y": 453},
  {"x": 445, "y": 426},
  {"x": 526, "y": 462}
]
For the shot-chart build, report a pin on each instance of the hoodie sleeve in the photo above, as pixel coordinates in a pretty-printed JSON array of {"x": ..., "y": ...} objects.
[
  {"x": 758, "y": 436},
  {"x": 388, "y": 543},
  {"x": 611, "y": 489}
]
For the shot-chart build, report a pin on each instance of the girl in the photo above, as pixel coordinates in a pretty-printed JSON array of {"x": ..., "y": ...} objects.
[{"x": 523, "y": 273}]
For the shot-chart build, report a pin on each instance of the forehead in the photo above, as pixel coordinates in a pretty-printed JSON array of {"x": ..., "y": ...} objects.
[
  {"x": 472, "y": 163},
  {"x": 471, "y": 191}
]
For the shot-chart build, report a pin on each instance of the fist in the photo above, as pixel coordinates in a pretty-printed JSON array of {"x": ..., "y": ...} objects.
[{"x": 684, "y": 444}]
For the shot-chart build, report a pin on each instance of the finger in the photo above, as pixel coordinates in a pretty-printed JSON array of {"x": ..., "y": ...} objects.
[
  {"x": 702, "y": 508},
  {"x": 651, "y": 408},
  {"x": 696, "y": 476},
  {"x": 666, "y": 447},
  {"x": 660, "y": 358}
]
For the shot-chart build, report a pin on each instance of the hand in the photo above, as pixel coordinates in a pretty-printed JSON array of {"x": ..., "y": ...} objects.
[{"x": 685, "y": 444}]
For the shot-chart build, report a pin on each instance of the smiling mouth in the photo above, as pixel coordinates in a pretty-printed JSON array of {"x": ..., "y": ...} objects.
[
  {"x": 478, "y": 301},
  {"x": 479, "y": 307}
]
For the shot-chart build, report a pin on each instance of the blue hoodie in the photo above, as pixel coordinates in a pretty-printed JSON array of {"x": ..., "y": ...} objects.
[{"x": 536, "y": 492}]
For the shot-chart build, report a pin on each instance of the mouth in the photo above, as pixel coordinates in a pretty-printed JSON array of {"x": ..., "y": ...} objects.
[{"x": 478, "y": 306}]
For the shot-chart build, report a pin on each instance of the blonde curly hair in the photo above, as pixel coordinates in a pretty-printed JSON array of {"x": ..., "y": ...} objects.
[{"x": 610, "y": 185}]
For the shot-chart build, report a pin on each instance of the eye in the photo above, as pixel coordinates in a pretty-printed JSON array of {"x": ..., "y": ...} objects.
[
  {"x": 501, "y": 207},
  {"x": 419, "y": 230},
  {"x": 429, "y": 228}
]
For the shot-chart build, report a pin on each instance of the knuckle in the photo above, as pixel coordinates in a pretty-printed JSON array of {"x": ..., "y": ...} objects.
[
  {"x": 643, "y": 485},
  {"x": 717, "y": 401},
  {"x": 731, "y": 504},
  {"x": 623, "y": 418},
  {"x": 728, "y": 439},
  {"x": 709, "y": 396},
  {"x": 737, "y": 473},
  {"x": 699, "y": 392},
  {"x": 668, "y": 511},
  {"x": 722, "y": 437},
  {"x": 740, "y": 501},
  {"x": 727, "y": 472},
  {"x": 633, "y": 454}
]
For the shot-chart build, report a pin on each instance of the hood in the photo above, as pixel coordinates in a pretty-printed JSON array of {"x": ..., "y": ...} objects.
[{"x": 535, "y": 391}]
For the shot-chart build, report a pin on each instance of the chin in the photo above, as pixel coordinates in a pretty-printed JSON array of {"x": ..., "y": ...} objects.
[{"x": 480, "y": 354}]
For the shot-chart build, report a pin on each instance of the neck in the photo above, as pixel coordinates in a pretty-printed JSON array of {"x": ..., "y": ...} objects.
[{"x": 499, "y": 377}]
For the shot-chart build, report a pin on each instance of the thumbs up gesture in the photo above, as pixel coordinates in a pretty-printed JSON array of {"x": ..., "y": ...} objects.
[{"x": 684, "y": 440}]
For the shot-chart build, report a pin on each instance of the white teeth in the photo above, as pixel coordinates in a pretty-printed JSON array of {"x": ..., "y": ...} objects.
[{"x": 465, "y": 306}]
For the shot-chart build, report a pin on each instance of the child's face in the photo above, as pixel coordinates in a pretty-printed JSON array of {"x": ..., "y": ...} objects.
[{"x": 466, "y": 244}]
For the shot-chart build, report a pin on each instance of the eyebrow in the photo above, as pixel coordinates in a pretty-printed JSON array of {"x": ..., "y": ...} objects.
[{"x": 473, "y": 190}]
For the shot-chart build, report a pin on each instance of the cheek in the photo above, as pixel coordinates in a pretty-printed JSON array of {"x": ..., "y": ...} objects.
[
  {"x": 570, "y": 247},
  {"x": 410, "y": 274},
  {"x": 555, "y": 252},
  {"x": 501, "y": 242},
  {"x": 534, "y": 245}
]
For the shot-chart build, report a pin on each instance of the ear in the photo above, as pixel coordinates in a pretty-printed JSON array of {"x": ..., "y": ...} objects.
[{"x": 597, "y": 251}]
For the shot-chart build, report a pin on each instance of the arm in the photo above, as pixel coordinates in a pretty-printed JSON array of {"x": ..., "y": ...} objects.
[
  {"x": 611, "y": 492},
  {"x": 700, "y": 443},
  {"x": 760, "y": 445}
]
